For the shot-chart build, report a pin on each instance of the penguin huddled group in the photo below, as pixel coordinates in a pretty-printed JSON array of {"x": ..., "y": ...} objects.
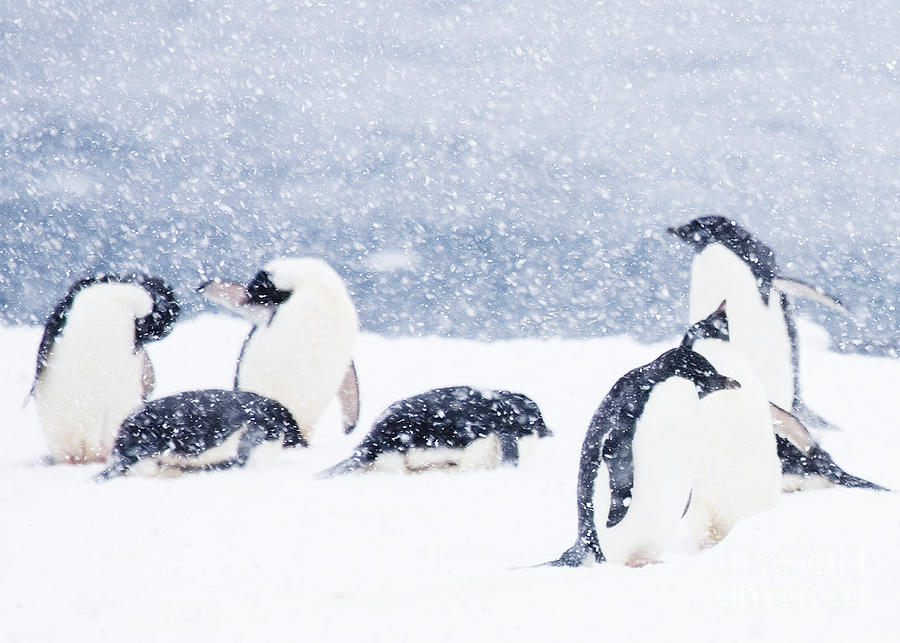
[
  {"x": 702, "y": 437},
  {"x": 731, "y": 387}
]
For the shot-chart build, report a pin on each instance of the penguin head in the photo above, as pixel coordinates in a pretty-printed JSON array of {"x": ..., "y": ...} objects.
[
  {"x": 150, "y": 322},
  {"x": 277, "y": 283},
  {"x": 291, "y": 274},
  {"x": 758, "y": 257},
  {"x": 715, "y": 326},
  {"x": 705, "y": 230},
  {"x": 262, "y": 291},
  {"x": 684, "y": 362},
  {"x": 148, "y": 299},
  {"x": 161, "y": 319},
  {"x": 527, "y": 414}
]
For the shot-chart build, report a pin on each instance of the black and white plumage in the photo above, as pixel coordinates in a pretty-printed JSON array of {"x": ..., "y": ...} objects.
[
  {"x": 731, "y": 264},
  {"x": 639, "y": 459},
  {"x": 804, "y": 463},
  {"x": 458, "y": 426},
  {"x": 802, "y": 460},
  {"x": 92, "y": 368},
  {"x": 200, "y": 431},
  {"x": 300, "y": 349},
  {"x": 739, "y": 473}
]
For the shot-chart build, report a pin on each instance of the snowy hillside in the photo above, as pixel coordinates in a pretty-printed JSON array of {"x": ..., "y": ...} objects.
[
  {"x": 483, "y": 169},
  {"x": 269, "y": 553}
]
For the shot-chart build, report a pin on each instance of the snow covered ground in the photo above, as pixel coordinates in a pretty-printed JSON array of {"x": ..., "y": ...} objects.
[{"x": 269, "y": 552}]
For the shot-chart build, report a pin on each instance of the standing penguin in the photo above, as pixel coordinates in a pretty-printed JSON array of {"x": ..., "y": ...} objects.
[
  {"x": 732, "y": 265},
  {"x": 740, "y": 439},
  {"x": 92, "y": 369},
  {"x": 740, "y": 472},
  {"x": 299, "y": 351},
  {"x": 643, "y": 436}
]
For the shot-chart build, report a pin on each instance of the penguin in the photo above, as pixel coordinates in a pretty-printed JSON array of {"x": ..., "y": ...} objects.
[
  {"x": 457, "y": 426},
  {"x": 92, "y": 368},
  {"x": 300, "y": 349},
  {"x": 202, "y": 430},
  {"x": 731, "y": 264},
  {"x": 740, "y": 472},
  {"x": 642, "y": 441},
  {"x": 802, "y": 462}
]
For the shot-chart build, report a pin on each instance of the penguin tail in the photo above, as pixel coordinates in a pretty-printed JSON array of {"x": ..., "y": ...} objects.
[
  {"x": 354, "y": 463},
  {"x": 827, "y": 468},
  {"x": 848, "y": 480},
  {"x": 116, "y": 470}
]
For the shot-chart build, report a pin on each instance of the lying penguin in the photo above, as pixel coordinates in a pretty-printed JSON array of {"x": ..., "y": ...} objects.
[
  {"x": 458, "y": 426},
  {"x": 731, "y": 264},
  {"x": 92, "y": 369},
  {"x": 641, "y": 447},
  {"x": 802, "y": 461},
  {"x": 200, "y": 431},
  {"x": 300, "y": 349}
]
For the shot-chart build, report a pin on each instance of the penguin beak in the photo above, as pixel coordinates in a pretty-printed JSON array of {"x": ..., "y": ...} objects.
[
  {"x": 678, "y": 232},
  {"x": 718, "y": 383},
  {"x": 730, "y": 383},
  {"x": 235, "y": 298},
  {"x": 225, "y": 293}
]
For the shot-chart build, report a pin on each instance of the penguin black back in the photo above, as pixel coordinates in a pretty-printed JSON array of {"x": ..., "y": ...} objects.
[
  {"x": 188, "y": 424},
  {"x": 451, "y": 417},
  {"x": 717, "y": 229},
  {"x": 610, "y": 439}
]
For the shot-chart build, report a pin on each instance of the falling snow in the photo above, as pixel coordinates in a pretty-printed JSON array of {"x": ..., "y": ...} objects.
[{"x": 475, "y": 169}]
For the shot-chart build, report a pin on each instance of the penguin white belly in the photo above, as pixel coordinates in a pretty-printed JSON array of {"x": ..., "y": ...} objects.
[
  {"x": 665, "y": 461},
  {"x": 739, "y": 473},
  {"x": 170, "y": 465},
  {"x": 92, "y": 379},
  {"x": 299, "y": 359},
  {"x": 483, "y": 453},
  {"x": 757, "y": 330}
]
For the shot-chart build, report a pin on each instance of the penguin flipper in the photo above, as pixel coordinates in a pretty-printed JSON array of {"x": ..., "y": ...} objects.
[
  {"x": 802, "y": 289},
  {"x": 789, "y": 427},
  {"x": 148, "y": 375},
  {"x": 349, "y": 398}
]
